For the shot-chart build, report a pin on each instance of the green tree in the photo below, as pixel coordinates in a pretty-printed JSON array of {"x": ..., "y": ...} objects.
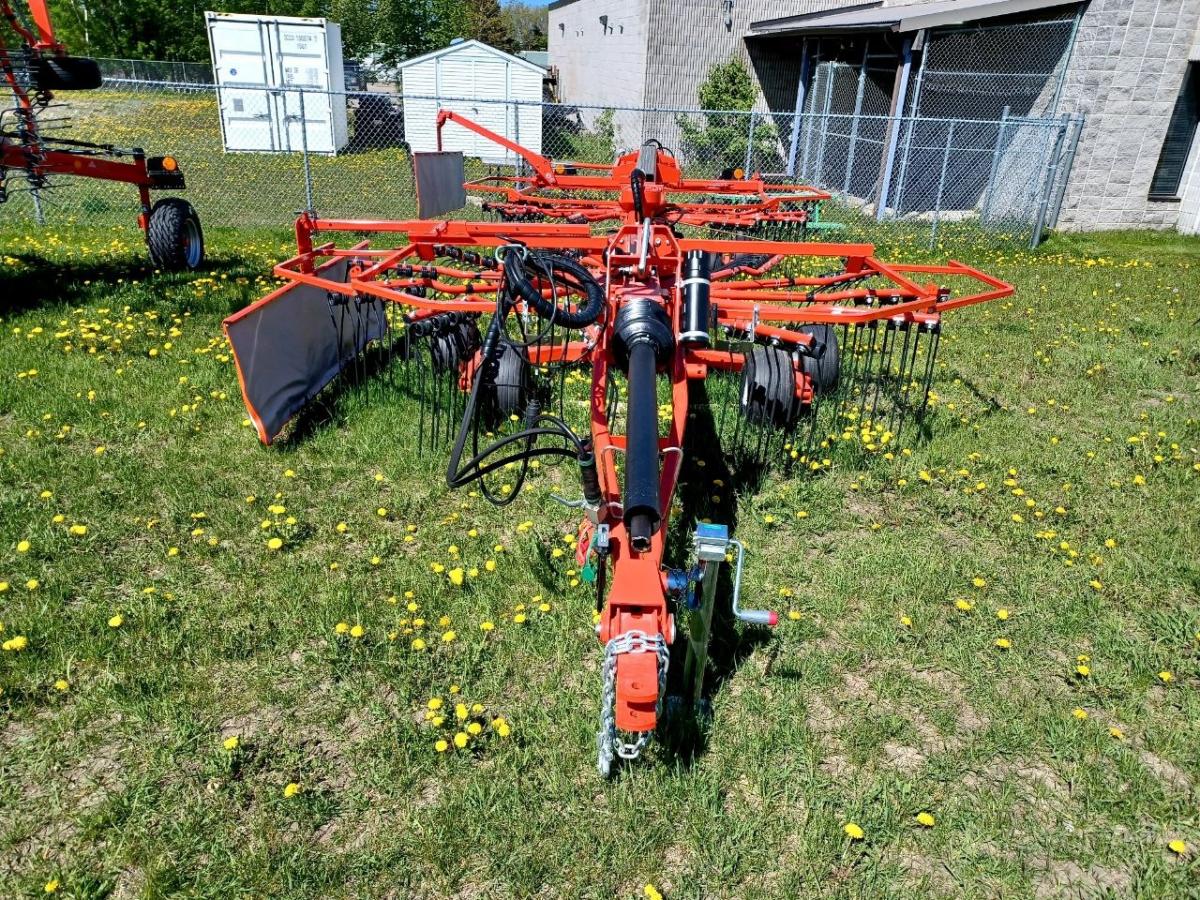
[
  {"x": 527, "y": 25},
  {"x": 717, "y": 139},
  {"x": 392, "y": 30},
  {"x": 484, "y": 21}
]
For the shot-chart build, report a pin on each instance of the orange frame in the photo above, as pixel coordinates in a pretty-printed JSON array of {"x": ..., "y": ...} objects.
[{"x": 760, "y": 306}]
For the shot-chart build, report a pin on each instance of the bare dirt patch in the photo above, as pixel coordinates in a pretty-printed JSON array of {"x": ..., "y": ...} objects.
[
  {"x": 826, "y": 717},
  {"x": 1068, "y": 879}
]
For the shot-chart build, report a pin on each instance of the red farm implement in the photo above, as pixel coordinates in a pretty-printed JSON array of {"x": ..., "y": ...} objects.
[
  {"x": 37, "y": 68},
  {"x": 630, "y": 353}
]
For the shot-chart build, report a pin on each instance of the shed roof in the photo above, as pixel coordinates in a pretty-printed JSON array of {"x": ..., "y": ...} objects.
[
  {"x": 471, "y": 44},
  {"x": 901, "y": 17}
]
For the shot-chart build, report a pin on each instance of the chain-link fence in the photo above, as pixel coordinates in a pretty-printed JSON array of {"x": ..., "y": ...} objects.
[
  {"x": 254, "y": 157},
  {"x": 155, "y": 70}
]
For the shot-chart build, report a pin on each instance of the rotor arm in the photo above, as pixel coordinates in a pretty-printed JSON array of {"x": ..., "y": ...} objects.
[{"x": 542, "y": 166}]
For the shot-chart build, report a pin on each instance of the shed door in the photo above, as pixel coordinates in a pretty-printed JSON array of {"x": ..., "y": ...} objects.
[{"x": 491, "y": 84}]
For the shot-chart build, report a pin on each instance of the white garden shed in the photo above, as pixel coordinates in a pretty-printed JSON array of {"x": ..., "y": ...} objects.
[{"x": 499, "y": 91}]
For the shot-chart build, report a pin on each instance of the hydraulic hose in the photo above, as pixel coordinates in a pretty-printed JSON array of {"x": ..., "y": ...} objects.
[{"x": 517, "y": 277}]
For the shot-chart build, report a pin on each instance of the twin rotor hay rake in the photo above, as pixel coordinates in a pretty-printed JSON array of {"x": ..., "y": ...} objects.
[
  {"x": 547, "y": 340},
  {"x": 33, "y": 72}
]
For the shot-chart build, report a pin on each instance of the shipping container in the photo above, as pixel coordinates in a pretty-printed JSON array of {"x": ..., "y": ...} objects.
[{"x": 280, "y": 83}]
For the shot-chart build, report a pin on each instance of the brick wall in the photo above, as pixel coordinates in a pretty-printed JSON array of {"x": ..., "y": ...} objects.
[{"x": 1126, "y": 71}]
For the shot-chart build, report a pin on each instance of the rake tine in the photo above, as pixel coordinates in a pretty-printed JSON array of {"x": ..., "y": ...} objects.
[
  {"x": 910, "y": 376},
  {"x": 902, "y": 379},
  {"x": 889, "y": 343},
  {"x": 868, "y": 368},
  {"x": 935, "y": 329}
]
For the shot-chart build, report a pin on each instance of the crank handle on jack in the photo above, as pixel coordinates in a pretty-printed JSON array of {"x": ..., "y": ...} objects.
[{"x": 749, "y": 616}]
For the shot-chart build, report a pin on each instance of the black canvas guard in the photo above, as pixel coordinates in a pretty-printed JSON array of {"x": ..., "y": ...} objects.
[
  {"x": 293, "y": 342},
  {"x": 439, "y": 179}
]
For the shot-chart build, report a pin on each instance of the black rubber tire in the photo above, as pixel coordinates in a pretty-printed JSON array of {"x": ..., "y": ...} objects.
[
  {"x": 822, "y": 366},
  {"x": 768, "y": 394},
  {"x": 514, "y": 382},
  {"x": 443, "y": 352},
  {"x": 174, "y": 236},
  {"x": 469, "y": 339},
  {"x": 67, "y": 73}
]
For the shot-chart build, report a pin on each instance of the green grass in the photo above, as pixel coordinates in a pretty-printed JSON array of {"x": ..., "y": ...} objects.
[{"x": 1077, "y": 390}]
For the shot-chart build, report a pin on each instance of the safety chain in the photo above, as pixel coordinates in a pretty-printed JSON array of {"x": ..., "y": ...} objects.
[{"x": 608, "y": 740}]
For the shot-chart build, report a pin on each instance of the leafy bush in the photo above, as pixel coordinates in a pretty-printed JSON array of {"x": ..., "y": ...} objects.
[{"x": 719, "y": 137}]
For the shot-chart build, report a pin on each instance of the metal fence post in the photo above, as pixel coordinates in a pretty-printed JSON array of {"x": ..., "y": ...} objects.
[
  {"x": 749, "y": 144},
  {"x": 801, "y": 91},
  {"x": 858, "y": 102},
  {"x": 1039, "y": 222},
  {"x": 826, "y": 102},
  {"x": 991, "y": 182},
  {"x": 1076, "y": 129},
  {"x": 914, "y": 111},
  {"x": 894, "y": 131},
  {"x": 937, "y": 203},
  {"x": 308, "y": 182}
]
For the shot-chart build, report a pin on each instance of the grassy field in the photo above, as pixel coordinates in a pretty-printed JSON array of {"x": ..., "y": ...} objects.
[{"x": 186, "y": 712}]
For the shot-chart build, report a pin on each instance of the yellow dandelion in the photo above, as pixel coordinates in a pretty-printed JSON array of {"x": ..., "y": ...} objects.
[
  {"x": 274, "y": 543},
  {"x": 926, "y": 819},
  {"x": 291, "y": 789},
  {"x": 357, "y": 631},
  {"x": 1004, "y": 643},
  {"x": 853, "y": 831},
  {"x": 1178, "y": 847},
  {"x": 116, "y": 621},
  {"x": 441, "y": 746},
  {"x": 231, "y": 743},
  {"x": 460, "y": 739}
]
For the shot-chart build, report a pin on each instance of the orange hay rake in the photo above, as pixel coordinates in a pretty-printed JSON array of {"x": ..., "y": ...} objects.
[
  {"x": 33, "y": 72},
  {"x": 664, "y": 325}
]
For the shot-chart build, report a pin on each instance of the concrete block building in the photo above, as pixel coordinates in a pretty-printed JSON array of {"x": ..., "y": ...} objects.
[{"x": 1127, "y": 70}]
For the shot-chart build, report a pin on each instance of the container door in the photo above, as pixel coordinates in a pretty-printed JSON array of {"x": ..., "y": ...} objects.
[
  {"x": 241, "y": 57},
  {"x": 304, "y": 104}
]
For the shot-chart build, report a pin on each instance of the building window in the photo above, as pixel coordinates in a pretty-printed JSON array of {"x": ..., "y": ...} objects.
[{"x": 1172, "y": 161}]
